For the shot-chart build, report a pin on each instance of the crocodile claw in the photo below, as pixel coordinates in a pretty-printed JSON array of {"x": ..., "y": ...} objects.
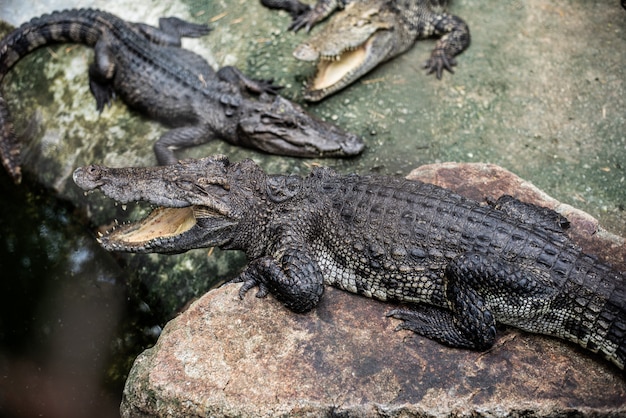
[
  {"x": 248, "y": 283},
  {"x": 266, "y": 86},
  {"x": 301, "y": 22},
  {"x": 438, "y": 62},
  {"x": 103, "y": 93},
  {"x": 305, "y": 20}
]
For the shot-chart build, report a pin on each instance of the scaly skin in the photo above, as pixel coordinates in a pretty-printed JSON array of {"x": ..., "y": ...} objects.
[
  {"x": 146, "y": 67},
  {"x": 367, "y": 33},
  {"x": 458, "y": 266}
]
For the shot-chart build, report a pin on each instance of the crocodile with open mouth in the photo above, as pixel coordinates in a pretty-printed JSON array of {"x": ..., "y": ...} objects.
[
  {"x": 459, "y": 267},
  {"x": 367, "y": 33}
]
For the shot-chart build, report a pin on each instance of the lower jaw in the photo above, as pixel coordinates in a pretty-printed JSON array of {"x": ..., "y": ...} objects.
[{"x": 330, "y": 74}]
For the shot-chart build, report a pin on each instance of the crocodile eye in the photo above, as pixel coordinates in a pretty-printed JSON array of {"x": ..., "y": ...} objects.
[
  {"x": 290, "y": 124},
  {"x": 93, "y": 170}
]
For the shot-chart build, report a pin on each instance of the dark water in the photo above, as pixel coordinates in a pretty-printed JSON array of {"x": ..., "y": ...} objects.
[{"x": 69, "y": 328}]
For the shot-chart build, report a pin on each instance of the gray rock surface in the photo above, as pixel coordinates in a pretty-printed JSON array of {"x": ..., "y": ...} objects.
[{"x": 229, "y": 357}]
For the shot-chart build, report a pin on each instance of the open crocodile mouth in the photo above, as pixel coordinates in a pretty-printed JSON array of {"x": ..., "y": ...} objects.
[
  {"x": 163, "y": 230},
  {"x": 335, "y": 72},
  {"x": 191, "y": 199},
  {"x": 161, "y": 223},
  {"x": 333, "y": 69}
]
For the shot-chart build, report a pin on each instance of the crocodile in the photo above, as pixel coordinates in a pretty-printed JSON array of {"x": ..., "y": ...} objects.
[
  {"x": 367, "y": 33},
  {"x": 455, "y": 266},
  {"x": 147, "y": 68}
]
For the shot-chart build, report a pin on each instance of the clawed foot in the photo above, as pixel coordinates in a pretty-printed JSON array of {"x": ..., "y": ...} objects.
[
  {"x": 439, "y": 324},
  {"x": 103, "y": 93},
  {"x": 248, "y": 283},
  {"x": 183, "y": 28},
  {"x": 411, "y": 320},
  {"x": 438, "y": 62},
  {"x": 305, "y": 20},
  {"x": 294, "y": 7},
  {"x": 265, "y": 86},
  {"x": 236, "y": 78}
]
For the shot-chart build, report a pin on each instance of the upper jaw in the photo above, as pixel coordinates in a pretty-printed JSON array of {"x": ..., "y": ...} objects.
[{"x": 189, "y": 182}]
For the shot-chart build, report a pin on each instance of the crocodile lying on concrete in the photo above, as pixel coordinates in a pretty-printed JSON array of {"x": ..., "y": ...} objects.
[
  {"x": 459, "y": 267},
  {"x": 146, "y": 67},
  {"x": 369, "y": 32}
]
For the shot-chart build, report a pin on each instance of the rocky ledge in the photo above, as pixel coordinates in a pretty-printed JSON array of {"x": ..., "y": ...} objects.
[{"x": 229, "y": 357}]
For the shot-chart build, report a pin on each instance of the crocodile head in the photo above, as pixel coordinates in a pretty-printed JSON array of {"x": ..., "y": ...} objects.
[
  {"x": 279, "y": 126},
  {"x": 350, "y": 45},
  {"x": 199, "y": 202}
]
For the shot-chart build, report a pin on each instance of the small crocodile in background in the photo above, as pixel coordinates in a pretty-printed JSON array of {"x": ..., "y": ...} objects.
[
  {"x": 459, "y": 267},
  {"x": 369, "y": 32},
  {"x": 146, "y": 67}
]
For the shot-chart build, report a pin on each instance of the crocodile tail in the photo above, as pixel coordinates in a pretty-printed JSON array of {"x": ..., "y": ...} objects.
[
  {"x": 82, "y": 26},
  {"x": 597, "y": 319},
  {"x": 613, "y": 319}
]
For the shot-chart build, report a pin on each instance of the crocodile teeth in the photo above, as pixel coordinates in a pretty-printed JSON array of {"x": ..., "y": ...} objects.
[{"x": 331, "y": 57}]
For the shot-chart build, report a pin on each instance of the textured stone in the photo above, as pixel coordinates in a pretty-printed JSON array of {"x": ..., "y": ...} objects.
[{"x": 229, "y": 357}]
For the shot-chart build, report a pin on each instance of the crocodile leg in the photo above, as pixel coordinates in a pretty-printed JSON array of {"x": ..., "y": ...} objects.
[
  {"x": 302, "y": 15},
  {"x": 101, "y": 72},
  {"x": 296, "y": 280},
  {"x": 234, "y": 76},
  {"x": 438, "y": 324},
  {"x": 530, "y": 214},
  {"x": 171, "y": 30},
  {"x": 319, "y": 12},
  {"x": 294, "y": 7},
  {"x": 176, "y": 138},
  {"x": 455, "y": 39},
  {"x": 479, "y": 290}
]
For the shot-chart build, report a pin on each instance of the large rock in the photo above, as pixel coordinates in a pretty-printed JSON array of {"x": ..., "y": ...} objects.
[{"x": 252, "y": 357}]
